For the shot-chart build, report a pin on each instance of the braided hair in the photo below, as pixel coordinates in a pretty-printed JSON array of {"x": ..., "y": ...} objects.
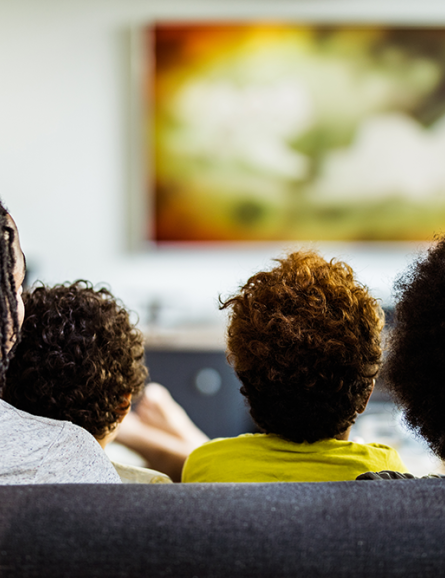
[{"x": 8, "y": 292}]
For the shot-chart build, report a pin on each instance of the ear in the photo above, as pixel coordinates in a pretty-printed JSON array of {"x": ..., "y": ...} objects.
[
  {"x": 125, "y": 407},
  {"x": 363, "y": 405}
]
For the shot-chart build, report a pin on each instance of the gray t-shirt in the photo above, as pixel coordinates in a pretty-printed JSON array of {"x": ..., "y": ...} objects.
[{"x": 39, "y": 450}]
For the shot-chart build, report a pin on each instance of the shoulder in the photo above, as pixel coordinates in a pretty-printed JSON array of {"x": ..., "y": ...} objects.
[
  {"x": 382, "y": 447},
  {"x": 217, "y": 444},
  {"x": 217, "y": 459},
  {"x": 76, "y": 457},
  {"x": 386, "y": 455},
  {"x": 27, "y": 430},
  {"x": 42, "y": 450},
  {"x": 208, "y": 457},
  {"x": 13, "y": 418},
  {"x": 382, "y": 450},
  {"x": 390, "y": 452}
]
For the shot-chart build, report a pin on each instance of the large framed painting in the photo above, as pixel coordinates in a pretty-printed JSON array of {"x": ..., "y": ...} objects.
[{"x": 280, "y": 131}]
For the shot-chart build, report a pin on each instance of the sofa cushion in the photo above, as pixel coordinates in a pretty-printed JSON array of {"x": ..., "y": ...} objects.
[{"x": 342, "y": 529}]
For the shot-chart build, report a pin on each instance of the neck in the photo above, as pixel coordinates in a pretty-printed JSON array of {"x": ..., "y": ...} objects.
[
  {"x": 344, "y": 436},
  {"x": 109, "y": 437}
]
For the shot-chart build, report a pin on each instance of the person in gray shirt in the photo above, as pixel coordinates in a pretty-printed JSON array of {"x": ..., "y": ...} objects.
[{"x": 33, "y": 449}]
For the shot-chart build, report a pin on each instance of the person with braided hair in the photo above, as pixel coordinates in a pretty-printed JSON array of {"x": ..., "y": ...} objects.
[
  {"x": 304, "y": 340},
  {"x": 36, "y": 449},
  {"x": 12, "y": 275}
]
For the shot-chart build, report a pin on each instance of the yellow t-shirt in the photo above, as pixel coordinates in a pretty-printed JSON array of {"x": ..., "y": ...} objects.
[{"x": 270, "y": 458}]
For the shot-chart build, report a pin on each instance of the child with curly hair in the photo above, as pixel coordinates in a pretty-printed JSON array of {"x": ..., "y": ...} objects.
[
  {"x": 80, "y": 359},
  {"x": 304, "y": 340}
]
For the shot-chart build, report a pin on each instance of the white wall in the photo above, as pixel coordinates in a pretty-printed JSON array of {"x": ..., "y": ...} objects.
[{"x": 64, "y": 147}]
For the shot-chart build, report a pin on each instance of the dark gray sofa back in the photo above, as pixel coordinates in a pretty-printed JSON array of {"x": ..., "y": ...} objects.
[{"x": 342, "y": 529}]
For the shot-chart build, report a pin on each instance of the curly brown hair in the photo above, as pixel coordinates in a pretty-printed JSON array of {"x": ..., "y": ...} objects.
[
  {"x": 414, "y": 369},
  {"x": 79, "y": 357},
  {"x": 304, "y": 340}
]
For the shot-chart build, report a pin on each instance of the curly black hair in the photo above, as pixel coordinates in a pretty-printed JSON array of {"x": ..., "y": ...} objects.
[
  {"x": 304, "y": 340},
  {"x": 79, "y": 357},
  {"x": 414, "y": 369}
]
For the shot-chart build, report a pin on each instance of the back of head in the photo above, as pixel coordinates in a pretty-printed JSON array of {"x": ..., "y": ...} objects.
[
  {"x": 79, "y": 357},
  {"x": 414, "y": 370},
  {"x": 8, "y": 300},
  {"x": 304, "y": 339}
]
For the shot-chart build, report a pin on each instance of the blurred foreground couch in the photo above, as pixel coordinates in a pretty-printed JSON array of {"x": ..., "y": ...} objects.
[{"x": 342, "y": 529}]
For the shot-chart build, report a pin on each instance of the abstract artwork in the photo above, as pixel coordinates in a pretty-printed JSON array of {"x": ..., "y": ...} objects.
[{"x": 278, "y": 131}]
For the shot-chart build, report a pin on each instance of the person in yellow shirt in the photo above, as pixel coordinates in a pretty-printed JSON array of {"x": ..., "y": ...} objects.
[{"x": 304, "y": 340}]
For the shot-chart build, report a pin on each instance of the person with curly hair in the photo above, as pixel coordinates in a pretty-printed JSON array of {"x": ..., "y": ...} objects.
[
  {"x": 414, "y": 369},
  {"x": 80, "y": 359},
  {"x": 304, "y": 340},
  {"x": 35, "y": 449}
]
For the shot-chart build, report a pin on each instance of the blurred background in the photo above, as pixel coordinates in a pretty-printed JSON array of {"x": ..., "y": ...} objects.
[{"x": 79, "y": 120}]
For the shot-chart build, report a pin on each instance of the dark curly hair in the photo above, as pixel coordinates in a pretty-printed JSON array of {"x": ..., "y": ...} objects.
[
  {"x": 304, "y": 340},
  {"x": 78, "y": 358},
  {"x": 414, "y": 369}
]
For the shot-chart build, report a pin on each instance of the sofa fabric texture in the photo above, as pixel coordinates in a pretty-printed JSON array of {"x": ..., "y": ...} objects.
[{"x": 337, "y": 529}]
